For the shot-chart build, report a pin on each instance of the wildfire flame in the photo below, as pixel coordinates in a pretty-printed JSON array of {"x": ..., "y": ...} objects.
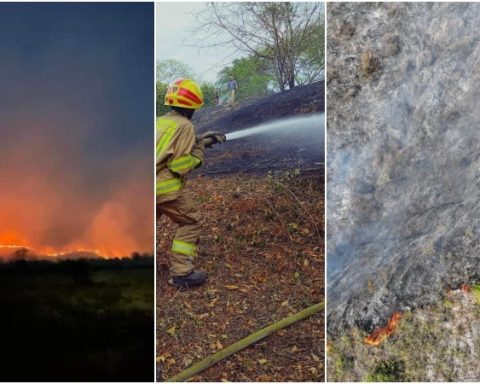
[
  {"x": 14, "y": 246},
  {"x": 11, "y": 241},
  {"x": 10, "y": 250},
  {"x": 64, "y": 218},
  {"x": 382, "y": 333}
]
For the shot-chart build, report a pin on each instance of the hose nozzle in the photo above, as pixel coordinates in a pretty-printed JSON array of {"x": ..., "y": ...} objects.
[{"x": 212, "y": 137}]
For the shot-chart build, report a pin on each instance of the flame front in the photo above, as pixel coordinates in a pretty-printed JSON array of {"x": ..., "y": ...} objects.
[
  {"x": 106, "y": 250},
  {"x": 54, "y": 201},
  {"x": 382, "y": 333}
]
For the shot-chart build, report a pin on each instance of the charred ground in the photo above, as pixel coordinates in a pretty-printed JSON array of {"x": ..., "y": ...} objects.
[
  {"x": 266, "y": 152},
  {"x": 403, "y": 186}
]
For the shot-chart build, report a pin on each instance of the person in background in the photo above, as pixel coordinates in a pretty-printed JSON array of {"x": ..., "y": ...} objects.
[{"x": 232, "y": 88}]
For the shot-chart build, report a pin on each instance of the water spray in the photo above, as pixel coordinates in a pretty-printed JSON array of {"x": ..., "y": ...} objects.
[{"x": 293, "y": 124}]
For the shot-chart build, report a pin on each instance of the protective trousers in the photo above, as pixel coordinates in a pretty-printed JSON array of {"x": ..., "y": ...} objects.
[{"x": 184, "y": 246}]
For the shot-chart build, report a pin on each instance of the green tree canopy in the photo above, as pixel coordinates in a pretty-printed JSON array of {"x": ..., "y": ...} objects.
[
  {"x": 252, "y": 75},
  {"x": 161, "y": 90},
  {"x": 171, "y": 69}
]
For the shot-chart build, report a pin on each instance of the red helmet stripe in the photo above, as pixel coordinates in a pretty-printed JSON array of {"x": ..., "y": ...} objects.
[
  {"x": 189, "y": 95},
  {"x": 178, "y": 81},
  {"x": 184, "y": 102}
]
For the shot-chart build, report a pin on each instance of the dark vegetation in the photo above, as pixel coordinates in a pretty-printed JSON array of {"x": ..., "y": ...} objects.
[{"x": 88, "y": 320}]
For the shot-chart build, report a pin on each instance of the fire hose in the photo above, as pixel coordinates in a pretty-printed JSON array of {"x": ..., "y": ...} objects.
[
  {"x": 245, "y": 342},
  {"x": 211, "y": 137}
]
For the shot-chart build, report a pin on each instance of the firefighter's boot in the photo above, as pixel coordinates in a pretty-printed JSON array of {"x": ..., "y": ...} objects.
[{"x": 193, "y": 279}]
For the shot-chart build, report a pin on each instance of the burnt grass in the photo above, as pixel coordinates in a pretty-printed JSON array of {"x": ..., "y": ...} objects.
[
  {"x": 262, "y": 200},
  {"x": 77, "y": 320}
]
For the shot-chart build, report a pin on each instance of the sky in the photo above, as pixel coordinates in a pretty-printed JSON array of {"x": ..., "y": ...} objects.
[
  {"x": 174, "y": 22},
  {"x": 76, "y": 126}
]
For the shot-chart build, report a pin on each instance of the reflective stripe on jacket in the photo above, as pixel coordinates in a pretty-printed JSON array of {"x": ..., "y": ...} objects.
[{"x": 177, "y": 154}]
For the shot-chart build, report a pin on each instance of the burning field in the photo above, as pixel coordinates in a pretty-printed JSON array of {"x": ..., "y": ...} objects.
[
  {"x": 262, "y": 202},
  {"x": 49, "y": 212},
  {"x": 76, "y": 298},
  {"x": 72, "y": 298},
  {"x": 435, "y": 343},
  {"x": 76, "y": 191}
]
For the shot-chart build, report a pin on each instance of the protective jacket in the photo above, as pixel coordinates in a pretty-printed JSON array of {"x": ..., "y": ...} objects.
[{"x": 177, "y": 153}]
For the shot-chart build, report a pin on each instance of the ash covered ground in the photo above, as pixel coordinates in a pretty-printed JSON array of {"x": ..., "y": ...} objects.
[{"x": 403, "y": 166}]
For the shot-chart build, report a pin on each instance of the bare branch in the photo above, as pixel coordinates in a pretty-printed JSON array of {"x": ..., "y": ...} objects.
[{"x": 279, "y": 33}]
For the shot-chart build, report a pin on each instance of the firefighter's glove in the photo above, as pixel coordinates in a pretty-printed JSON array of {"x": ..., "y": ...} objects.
[{"x": 212, "y": 137}]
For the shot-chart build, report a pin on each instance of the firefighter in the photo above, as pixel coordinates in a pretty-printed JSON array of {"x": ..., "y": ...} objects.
[{"x": 178, "y": 152}]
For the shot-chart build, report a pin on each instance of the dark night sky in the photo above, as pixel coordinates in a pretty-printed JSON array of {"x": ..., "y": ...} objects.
[{"x": 76, "y": 121}]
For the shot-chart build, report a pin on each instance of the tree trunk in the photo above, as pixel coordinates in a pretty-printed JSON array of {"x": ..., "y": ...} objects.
[{"x": 291, "y": 82}]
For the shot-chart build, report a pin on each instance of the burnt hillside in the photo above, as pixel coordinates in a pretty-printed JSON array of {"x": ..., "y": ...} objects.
[
  {"x": 301, "y": 99},
  {"x": 293, "y": 149}
]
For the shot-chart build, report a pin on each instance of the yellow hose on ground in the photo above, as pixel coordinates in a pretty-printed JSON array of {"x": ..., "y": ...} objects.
[{"x": 245, "y": 342}]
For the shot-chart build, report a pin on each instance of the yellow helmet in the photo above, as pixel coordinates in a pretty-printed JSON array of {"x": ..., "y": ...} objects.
[{"x": 184, "y": 93}]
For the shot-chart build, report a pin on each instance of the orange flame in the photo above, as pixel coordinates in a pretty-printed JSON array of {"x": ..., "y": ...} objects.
[
  {"x": 382, "y": 333},
  {"x": 57, "y": 206},
  {"x": 109, "y": 231}
]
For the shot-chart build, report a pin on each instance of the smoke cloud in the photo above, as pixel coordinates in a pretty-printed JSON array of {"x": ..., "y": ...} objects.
[{"x": 76, "y": 136}]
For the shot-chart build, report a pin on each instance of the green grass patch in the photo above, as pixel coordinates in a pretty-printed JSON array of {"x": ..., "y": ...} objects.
[
  {"x": 476, "y": 293},
  {"x": 388, "y": 371}
]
